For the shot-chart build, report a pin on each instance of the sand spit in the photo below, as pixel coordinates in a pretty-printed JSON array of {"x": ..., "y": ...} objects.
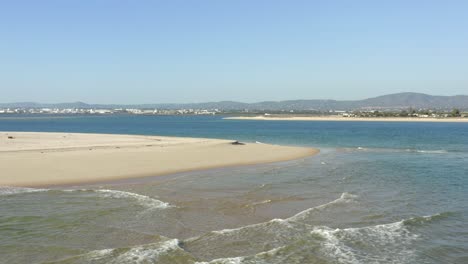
[{"x": 44, "y": 159}]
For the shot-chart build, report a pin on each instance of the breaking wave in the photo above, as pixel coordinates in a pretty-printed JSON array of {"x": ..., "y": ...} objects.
[
  {"x": 398, "y": 150},
  {"x": 384, "y": 243},
  {"x": 292, "y": 240},
  {"x": 251, "y": 239},
  {"x": 387, "y": 243},
  {"x": 165, "y": 251},
  {"x": 142, "y": 200},
  {"x": 277, "y": 241},
  {"x": 5, "y": 191},
  {"x": 442, "y": 151},
  {"x": 378, "y": 244},
  {"x": 344, "y": 199}
]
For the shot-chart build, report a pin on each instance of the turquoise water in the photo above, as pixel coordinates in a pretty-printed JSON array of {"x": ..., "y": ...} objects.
[{"x": 377, "y": 193}]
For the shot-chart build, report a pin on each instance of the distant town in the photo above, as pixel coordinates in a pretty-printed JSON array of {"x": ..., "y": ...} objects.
[
  {"x": 392, "y": 105},
  {"x": 91, "y": 111},
  {"x": 419, "y": 113}
]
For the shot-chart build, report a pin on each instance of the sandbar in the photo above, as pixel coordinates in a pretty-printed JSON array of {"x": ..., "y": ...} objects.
[{"x": 33, "y": 159}]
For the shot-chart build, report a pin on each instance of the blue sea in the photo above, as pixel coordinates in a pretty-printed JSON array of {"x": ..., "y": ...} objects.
[{"x": 378, "y": 192}]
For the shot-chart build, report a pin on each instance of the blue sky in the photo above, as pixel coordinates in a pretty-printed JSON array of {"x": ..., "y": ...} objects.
[{"x": 191, "y": 51}]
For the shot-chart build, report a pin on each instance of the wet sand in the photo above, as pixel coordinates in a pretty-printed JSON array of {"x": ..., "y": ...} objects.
[{"x": 46, "y": 159}]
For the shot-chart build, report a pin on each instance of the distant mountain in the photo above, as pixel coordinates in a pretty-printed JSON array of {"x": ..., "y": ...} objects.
[
  {"x": 391, "y": 101},
  {"x": 416, "y": 100}
]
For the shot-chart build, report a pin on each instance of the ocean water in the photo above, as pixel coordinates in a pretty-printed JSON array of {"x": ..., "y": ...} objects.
[{"x": 378, "y": 192}]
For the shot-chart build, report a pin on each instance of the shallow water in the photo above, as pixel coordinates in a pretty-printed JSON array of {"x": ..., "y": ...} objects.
[{"x": 377, "y": 193}]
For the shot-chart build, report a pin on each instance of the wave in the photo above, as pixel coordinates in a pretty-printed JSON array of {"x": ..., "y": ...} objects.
[
  {"x": 142, "y": 200},
  {"x": 277, "y": 241},
  {"x": 386, "y": 243},
  {"x": 272, "y": 256},
  {"x": 164, "y": 251},
  {"x": 272, "y": 221},
  {"x": 421, "y": 220},
  {"x": 344, "y": 199},
  {"x": 140, "y": 254},
  {"x": 236, "y": 260},
  {"x": 399, "y": 150},
  {"x": 260, "y": 203},
  {"x": 273, "y": 242},
  {"x": 251, "y": 239},
  {"x": 442, "y": 151},
  {"x": 383, "y": 243},
  {"x": 6, "y": 190}
]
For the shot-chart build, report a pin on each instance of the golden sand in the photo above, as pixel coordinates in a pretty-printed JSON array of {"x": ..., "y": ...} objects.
[{"x": 41, "y": 159}]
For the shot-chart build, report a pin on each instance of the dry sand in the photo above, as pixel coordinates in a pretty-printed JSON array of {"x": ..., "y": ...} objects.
[
  {"x": 341, "y": 118},
  {"x": 44, "y": 159}
]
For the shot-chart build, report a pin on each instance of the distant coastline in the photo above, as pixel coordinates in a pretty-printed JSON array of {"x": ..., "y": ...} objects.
[
  {"x": 391, "y": 102},
  {"x": 351, "y": 119}
]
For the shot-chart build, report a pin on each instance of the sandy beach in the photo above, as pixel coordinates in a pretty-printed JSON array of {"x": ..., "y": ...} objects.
[
  {"x": 44, "y": 159},
  {"x": 349, "y": 119}
]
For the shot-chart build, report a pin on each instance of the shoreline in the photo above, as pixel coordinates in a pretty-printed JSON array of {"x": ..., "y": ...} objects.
[
  {"x": 351, "y": 119},
  {"x": 33, "y": 159}
]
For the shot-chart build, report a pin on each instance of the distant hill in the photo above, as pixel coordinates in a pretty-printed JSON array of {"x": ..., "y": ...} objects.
[
  {"x": 391, "y": 101},
  {"x": 416, "y": 100}
]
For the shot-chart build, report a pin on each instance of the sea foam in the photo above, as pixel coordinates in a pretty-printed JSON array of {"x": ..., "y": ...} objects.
[
  {"x": 6, "y": 190},
  {"x": 142, "y": 200},
  {"x": 386, "y": 243},
  {"x": 344, "y": 198},
  {"x": 148, "y": 253}
]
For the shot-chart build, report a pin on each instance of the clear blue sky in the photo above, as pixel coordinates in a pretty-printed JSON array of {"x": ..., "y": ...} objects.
[{"x": 191, "y": 51}]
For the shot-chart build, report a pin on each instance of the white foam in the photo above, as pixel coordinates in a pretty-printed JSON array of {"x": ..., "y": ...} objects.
[
  {"x": 432, "y": 151},
  {"x": 142, "y": 254},
  {"x": 384, "y": 243},
  {"x": 257, "y": 258},
  {"x": 227, "y": 231},
  {"x": 439, "y": 151},
  {"x": 5, "y": 190},
  {"x": 261, "y": 202},
  {"x": 141, "y": 199},
  {"x": 393, "y": 242},
  {"x": 138, "y": 254},
  {"x": 344, "y": 198},
  {"x": 236, "y": 260}
]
